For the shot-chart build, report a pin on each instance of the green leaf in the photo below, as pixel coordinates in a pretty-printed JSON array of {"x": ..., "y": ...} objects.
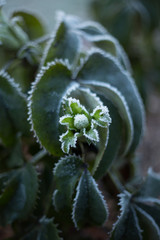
[
  {"x": 91, "y": 101},
  {"x": 19, "y": 195},
  {"x": 46, "y": 230},
  {"x": 16, "y": 157},
  {"x": 30, "y": 52},
  {"x": 68, "y": 139},
  {"x": 151, "y": 186},
  {"x": 68, "y": 121},
  {"x": 148, "y": 224},
  {"x": 13, "y": 110},
  {"x": 89, "y": 206},
  {"x": 103, "y": 67},
  {"x": 146, "y": 209},
  {"x": 12, "y": 36},
  {"x": 91, "y": 29},
  {"x": 92, "y": 135},
  {"x": 64, "y": 44},
  {"x": 7, "y": 133},
  {"x": 23, "y": 73},
  {"x": 112, "y": 94},
  {"x": 127, "y": 227},
  {"x": 114, "y": 140},
  {"x": 110, "y": 45},
  {"x": 30, "y": 24},
  {"x": 101, "y": 38},
  {"x": 76, "y": 107},
  {"x": 120, "y": 17},
  {"x": 45, "y": 104},
  {"x": 101, "y": 116},
  {"x": 66, "y": 174},
  {"x": 152, "y": 210}
]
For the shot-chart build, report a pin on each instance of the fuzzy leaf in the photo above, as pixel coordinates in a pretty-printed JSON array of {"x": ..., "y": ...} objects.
[
  {"x": 30, "y": 24},
  {"x": 22, "y": 72},
  {"x": 64, "y": 44},
  {"x": 101, "y": 116},
  {"x": 89, "y": 206},
  {"x": 66, "y": 173},
  {"x": 123, "y": 18},
  {"x": 114, "y": 140},
  {"x": 127, "y": 226},
  {"x": 112, "y": 94},
  {"x": 19, "y": 194},
  {"x": 68, "y": 121},
  {"x": 46, "y": 230},
  {"x": 91, "y": 29},
  {"x": 102, "y": 39},
  {"x": 45, "y": 104},
  {"x": 16, "y": 157},
  {"x": 152, "y": 210},
  {"x": 12, "y": 36},
  {"x": 102, "y": 67},
  {"x": 151, "y": 186},
  {"x": 13, "y": 110},
  {"x": 149, "y": 226},
  {"x": 68, "y": 140},
  {"x": 91, "y": 101},
  {"x": 146, "y": 210},
  {"x": 92, "y": 135},
  {"x": 110, "y": 45},
  {"x": 76, "y": 107}
]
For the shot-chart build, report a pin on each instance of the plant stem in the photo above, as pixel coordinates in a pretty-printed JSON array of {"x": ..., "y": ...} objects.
[
  {"x": 42, "y": 39},
  {"x": 116, "y": 181},
  {"x": 36, "y": 158},
  {"x": 83, "y": 151}
]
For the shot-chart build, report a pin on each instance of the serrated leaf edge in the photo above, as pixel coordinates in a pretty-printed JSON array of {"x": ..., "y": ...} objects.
[
  {"x": 91, "y": 23},
  {"x": 126, "y": 73},
  {"x": 60, "y": 16},
  {"x": 12, "y": 82},
  {"x": 76, "y": 197},
  {"x": 115, "y": 90},
  {"x": 144, "y": 213},
  {"x": 33, "y": 87},
  {"x": 63, "y": 159}
]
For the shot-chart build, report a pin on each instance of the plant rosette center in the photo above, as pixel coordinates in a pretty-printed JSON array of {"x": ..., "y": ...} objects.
[{"x": 80, "y": 122}]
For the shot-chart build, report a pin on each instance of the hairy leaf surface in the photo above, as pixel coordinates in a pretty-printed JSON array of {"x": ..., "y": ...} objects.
[
  {"x": 64, "y": 44},
  {"x": 89, "y": 206},
  {"x": 66, "y": 174},
  {"x": 13, "y": 110},
  {"x": 46, "y": 230},
  {"x": 112, "y": 94},
  {"x": 45, "y": 104},
  {"x": 102, "y": 67},
  {"x": 19, "y": 194}
]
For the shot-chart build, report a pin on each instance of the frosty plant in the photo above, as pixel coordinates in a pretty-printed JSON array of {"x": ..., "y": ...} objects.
[
  {"x": 73, "y": 90},
  {"x": 80, "y": 123}
]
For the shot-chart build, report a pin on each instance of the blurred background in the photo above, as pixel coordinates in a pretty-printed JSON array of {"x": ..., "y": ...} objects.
[
  {"x": 136, "y": 24},
  {"x": 46, "y": 10}
]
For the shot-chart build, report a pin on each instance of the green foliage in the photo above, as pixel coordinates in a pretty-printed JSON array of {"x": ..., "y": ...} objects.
[
  {"x": 64, "y": 43},
  {"x": 18, "y": 197},
  {"x": 13, "y": 108},
  {"x": 45, "y": 104},
  {"x": 139, "y": 217},
  {"x": 45, "y": 230},
  {"x": 89, "y": 205},
  {"x": 66, "y": 174},
  {"x": 86, "y": 113},
  {"x": 136, "y": 25}
]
